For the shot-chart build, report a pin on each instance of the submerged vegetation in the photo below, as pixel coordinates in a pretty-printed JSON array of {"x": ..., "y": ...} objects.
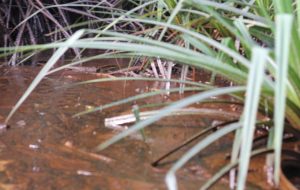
[{"x": 253, "y": 43}]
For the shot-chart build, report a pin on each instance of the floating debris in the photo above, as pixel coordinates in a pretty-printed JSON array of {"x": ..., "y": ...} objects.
[
  {"x": 70, "y": 146},
  {"x": 83, "y": 172},
  {"x": 116, "y": 122},
  {"x": 33, "y": 146},
  {"x": 21, "y": 123}
]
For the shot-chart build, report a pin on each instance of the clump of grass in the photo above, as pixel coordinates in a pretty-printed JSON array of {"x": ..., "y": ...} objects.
[
  {"x": 34, "y": 22},
  {"x": 255, "y": 44}
]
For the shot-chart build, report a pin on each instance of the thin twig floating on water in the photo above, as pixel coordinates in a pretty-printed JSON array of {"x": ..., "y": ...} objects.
[{"x": 130, "y": 118}]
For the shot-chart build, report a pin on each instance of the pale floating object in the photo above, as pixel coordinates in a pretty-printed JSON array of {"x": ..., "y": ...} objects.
[
  {"x": 116, "y": 122},
  {"x": 84, "y": 173},
  {"x": 33, "y": 146},
  {"x": 21, "y": 123}
]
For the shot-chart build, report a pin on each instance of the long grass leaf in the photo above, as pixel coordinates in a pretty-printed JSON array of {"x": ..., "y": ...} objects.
[
  {"x": 282, "y": 46},
  {"x": 255, "y": 78}
]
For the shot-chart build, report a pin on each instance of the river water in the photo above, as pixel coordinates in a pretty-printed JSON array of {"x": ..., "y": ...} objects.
[{"x": 46, "y": 148}]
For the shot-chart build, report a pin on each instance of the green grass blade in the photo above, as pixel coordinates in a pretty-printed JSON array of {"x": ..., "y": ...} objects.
[
  {"x": 185, "y": 56},
  {"x": 255, "y": 79},
  {"x": 282, "y": 49}
]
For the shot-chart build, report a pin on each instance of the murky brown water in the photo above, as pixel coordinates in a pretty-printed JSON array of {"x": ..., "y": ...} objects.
[{"x": 45, "y": 148}]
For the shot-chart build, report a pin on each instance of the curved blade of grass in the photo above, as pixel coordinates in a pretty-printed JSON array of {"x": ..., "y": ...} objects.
[
  {"x": 194, "y": 34},
  {"x": 198, "y": 36},
  {"x": 255, "y": 79},
  {"x": 269, "y": 82},
  {"x": 171, "y": 178},
  {"x": 193, "y": 58},
  {"x": 55, "y": 57},
  {"x": 189, "y": 57},
  {"x": 282, "y": 49},
  {"x": 169, "y": 109}
]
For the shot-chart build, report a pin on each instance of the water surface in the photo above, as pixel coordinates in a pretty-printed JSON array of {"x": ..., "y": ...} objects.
[{"x": 46, "y": 148}]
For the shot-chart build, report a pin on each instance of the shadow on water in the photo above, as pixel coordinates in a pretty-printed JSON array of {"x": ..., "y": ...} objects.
[{"x": 45, "y": 148}]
